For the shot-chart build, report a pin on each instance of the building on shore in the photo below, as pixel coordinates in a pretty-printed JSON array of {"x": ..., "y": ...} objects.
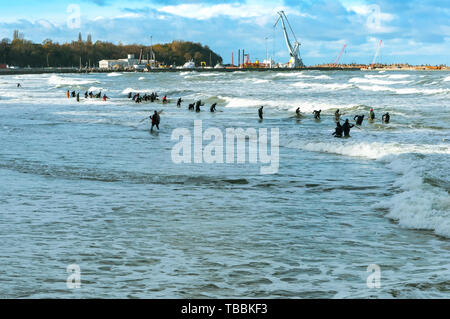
[{"x": 129, "y": 62}]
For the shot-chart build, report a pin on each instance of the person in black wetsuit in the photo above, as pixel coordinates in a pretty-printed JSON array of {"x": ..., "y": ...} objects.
[
  {"x": 78, "y": 97},
  {"x": 213, "y": 108},
  {"x": 297, "y": 112},
  {"x": 386, "y": 118},
  {"x": 155, "y": 120},
  {"x": 86, "y": 94},
  {"x": 179, "y": 102},
  {"x": 346, "y": 128},
  {"x": 130, "y": 95},
  {"x": 359, "y": 119},
  {"x": 338, "y": 130},
  {"x": 317, "y": 114},
  {"x": 197, "y": 106},
  {"x": 371, "y": 115},
  {"x": 73, "y": 94},
  {"x": 260, "y": 112},
  {"x": 191, "y": 107}
]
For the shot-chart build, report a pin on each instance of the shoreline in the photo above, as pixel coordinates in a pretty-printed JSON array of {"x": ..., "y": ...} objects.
[{"x": 162, "y": 70}]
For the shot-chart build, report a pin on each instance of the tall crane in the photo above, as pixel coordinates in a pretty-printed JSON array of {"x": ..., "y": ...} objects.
[
  {"x": 376, "y": 54},
  {"x": 340, "y": 54},
  {"x": 295, "y": 60}
]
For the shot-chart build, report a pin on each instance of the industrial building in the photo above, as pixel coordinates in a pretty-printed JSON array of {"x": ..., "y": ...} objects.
[{"x": 130, "y": 62}]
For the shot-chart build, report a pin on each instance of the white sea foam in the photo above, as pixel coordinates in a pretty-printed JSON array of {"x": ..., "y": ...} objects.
[
  {"x": 63, "y": 81},
  {"x": 377, "y": 88},
  {"x": 419, "y": 205},
  {"x": 305, "y": 105},
  {"x": 322, "y": 86},
  {"x": 376, "y": 81},
  {"x": 114, "y": 74},
  {"x": 141, "y": 78},
  {"x": 373, "y": 150},
  {"x": 447, "y": 79}
]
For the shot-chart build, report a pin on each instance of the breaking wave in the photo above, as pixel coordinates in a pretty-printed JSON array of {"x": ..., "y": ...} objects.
[
  {"x": 423, "y": 200},
  {"x": 62, "y": 81}
]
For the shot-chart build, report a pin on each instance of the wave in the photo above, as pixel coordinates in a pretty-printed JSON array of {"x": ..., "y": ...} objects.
[
  {"x": 113, "y": 176},
  {"x": 62, "y": 81},
  {"x": 322, "y": 86},
  {"x": 114, "y": 74},
  {"x": 301, "y": 75},
  {"x": 377, "y": 88},
  {"x": 373, "y": 150},
  {"x": 447, "y": 79},
  {"x": 388, "y": 76},
  {"x": 305, "y": 105},
  {"x": 422, "y": 202},
  {"x": 376, "y": 81}
]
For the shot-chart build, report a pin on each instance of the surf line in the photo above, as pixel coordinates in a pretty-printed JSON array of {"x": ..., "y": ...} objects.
[{"x": 235, "y": 138}]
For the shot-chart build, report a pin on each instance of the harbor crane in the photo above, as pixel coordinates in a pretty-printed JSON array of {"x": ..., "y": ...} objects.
[
  {"x": 376, "y": 54},
  {"x": 340, "y": 54},
  {"x": 295, "y": 60}
]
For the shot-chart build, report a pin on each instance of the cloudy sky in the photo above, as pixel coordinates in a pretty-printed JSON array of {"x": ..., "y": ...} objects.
[{"x": 413, "y": 31}]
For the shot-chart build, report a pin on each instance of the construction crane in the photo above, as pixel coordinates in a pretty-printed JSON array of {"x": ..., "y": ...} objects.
[
  {"x": 340, "y": 54},
  {"x": 376, "y": 54},
  {"x": 295, "y": 60}
]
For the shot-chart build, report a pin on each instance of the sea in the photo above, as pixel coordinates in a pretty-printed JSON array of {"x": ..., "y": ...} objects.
[{"x": 92, "y": 204}]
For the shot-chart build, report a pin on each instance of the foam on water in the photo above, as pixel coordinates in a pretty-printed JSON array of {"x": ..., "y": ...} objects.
[
  {"x": 374, "y": 150},
  {"x": 114, "y": 74},
  {"x": 60, "y": 81},
  {"x": 377, "y": 88},
  {"x": 376, "y": 81},
  {"x": 418, "y": 205},
  {"x": 322, "y": 86},
  {"x": 305, "y": 105}
]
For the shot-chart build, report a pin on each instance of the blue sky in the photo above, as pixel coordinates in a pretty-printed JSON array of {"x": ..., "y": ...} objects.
[{"x": 414, "y": 31}]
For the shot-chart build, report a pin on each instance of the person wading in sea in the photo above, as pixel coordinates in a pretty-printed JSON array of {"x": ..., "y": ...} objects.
[{"x": 155, "y": 120}]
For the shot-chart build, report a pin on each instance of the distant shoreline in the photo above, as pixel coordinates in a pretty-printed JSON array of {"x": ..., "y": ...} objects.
[{"x": 162, "y": 70}]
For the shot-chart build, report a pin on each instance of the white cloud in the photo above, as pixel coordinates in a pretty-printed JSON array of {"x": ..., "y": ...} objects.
[
  {"x": 376, "y": 20},
  {"x": 259, "y": 12}
]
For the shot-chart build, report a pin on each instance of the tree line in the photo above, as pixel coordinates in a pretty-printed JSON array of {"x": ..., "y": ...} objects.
[{"x": 23, "y": 53}]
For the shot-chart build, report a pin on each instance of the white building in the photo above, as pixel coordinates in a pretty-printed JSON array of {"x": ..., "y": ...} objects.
[{"x": 122, "y": 63}]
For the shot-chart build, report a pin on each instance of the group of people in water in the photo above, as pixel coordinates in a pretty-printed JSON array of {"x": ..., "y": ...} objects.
[
  {"x": 340, "y": 130},
  {"x": 345, "y": 128},
  {"x": 87, "y": 94}
]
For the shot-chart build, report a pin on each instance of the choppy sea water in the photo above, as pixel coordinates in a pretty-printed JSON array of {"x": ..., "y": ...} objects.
[{"x": 86, "y": 183}]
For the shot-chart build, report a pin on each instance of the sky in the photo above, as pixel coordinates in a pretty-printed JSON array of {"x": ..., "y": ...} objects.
[{"x": 413, "y": 31}]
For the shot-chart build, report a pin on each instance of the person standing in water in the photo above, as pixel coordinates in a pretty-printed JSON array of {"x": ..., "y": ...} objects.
[
  {"x": 386, "y": 118},
  {"x": 78, "y": 97},
  {"x": 297, "y": 112},
  {"x": 68, "y": 94},
  {"x": 359, "y": 119},
  {"x": 337, "y": 116},
  {"x": 179, "y": 102},
  {"x": 155, "y": 120},
  {"x": 338, "y": 130},
  {"x": 371, "y": 115},
  {"x": 260, "y": 112},
  {"x": 346, "y": 128},
  {"x": 213, "y": 108},
  {"x": 317, "y": 114}
]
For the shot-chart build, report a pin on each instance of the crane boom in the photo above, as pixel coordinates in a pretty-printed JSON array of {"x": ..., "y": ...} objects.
[
  {"x": 340, "y": 54},
  {"x": 376, "y": 54},
  {"x": 295, "y": 60}
]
